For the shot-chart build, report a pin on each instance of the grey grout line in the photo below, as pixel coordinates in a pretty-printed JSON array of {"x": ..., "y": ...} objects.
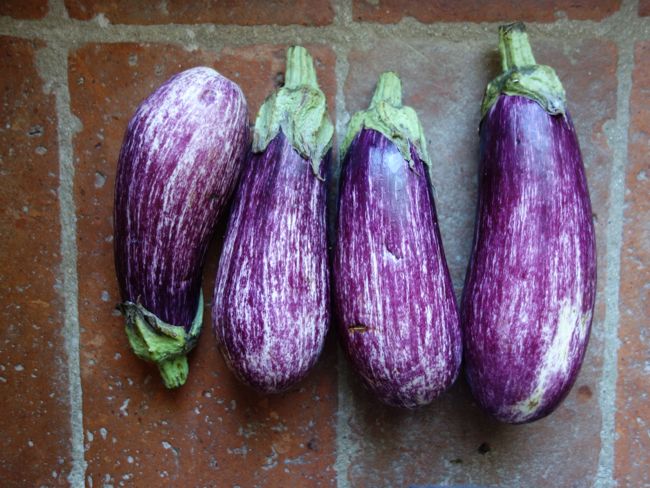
[
  {"x": 56, "y": 10},
  {"x": 345, "y": 448},
  {"x": 52, "y": 64},
  {"x": 68, "y": 125},
  {"x": 59, "y": 28},
  {"x": 618, "y": 136},
  {"x": 342, "y": 12}
]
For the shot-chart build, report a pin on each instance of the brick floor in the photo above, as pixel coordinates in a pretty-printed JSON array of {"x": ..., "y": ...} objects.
[
  {"x": 213, "y": 431},
  {"x": 24, "y": 9},
  {"x": 633, "y": 412},
  {"x": 212, "y": 428},
  {"x": 35, "y": 446}
]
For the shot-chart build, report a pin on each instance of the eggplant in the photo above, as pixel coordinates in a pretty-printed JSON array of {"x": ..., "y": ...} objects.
[
  {"x": 393, "y": 296},
  {"x": 530, "y": 288},
  {"x": 182, "y": 153},
  {"x": 271, "y": 295}
]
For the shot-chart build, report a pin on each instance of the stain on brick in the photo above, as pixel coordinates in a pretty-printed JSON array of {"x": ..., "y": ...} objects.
[
  {"x": 35, "y": 422},
  {"x": 444, "y": 82},
  {"x": 253, "y": 12},
  {"x": 213, "y": 431},
  {"x": 633, "y": 410},
  {"x": 392, "y": 11}
]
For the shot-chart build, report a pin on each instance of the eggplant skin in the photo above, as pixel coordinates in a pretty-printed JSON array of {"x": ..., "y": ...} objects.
[
  {"x": 271, "y": 306},
  {"x": 182, "y": 153},
  {"x": 531, "y": 283},
  {"x": 393, "y": 296}
]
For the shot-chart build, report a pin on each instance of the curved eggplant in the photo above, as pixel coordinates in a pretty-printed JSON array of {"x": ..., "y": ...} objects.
[
  {"x": 271, "y": 305},
  {"x": 393, "y": 294},
  {"x": 180, "y": 159},
  {"x": 531, "y": 283}
]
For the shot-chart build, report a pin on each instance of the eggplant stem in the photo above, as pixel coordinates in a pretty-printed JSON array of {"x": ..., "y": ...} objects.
[
  {"x": 161, "y": 343},
  {"x": 174, "y": 371},
  {"x": 299, "y": 110},
  {"x": 389, "y": 90},
  {"x": 387, "y": 115},
  {"x": 514, "y": 47},
  {"x": 300, "y": 69},
  {"x": 521, "y": 76}
]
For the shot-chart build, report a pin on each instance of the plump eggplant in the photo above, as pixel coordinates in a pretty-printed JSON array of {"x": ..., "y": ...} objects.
[
  {"x": 531, "y": 283},
  {"x": 393, "y": 295},
  {"x": 271, "y": 296},
  {"x": 181, "y": 156}
]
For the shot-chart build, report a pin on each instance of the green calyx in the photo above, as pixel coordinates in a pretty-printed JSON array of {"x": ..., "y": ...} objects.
[
  {"x": 522, "y": 76},
  {"x": 299, "y": 110},
  {"x": 387, "y": 115},
  {"x": 161, "y": 343}
]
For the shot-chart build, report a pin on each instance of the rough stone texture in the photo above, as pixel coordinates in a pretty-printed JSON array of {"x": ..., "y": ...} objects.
[
  {"x": 644, "y": 8},
  {"x": 451, "y": 441},
  {"x": 391, "y": 11},
  {"x": 633, "y": 412},
  {"x": 35, "y": 421},
  {"x": 212, "y": 431},
  {"x": 255, "y": 12},
  {"x": 24, "y": 9}
]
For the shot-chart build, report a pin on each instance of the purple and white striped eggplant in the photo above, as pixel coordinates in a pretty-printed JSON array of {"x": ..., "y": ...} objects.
[
  {"x": 531, "y": 283},
  {"x": 393, "y": 295},
  {"x": 271, "y": 298},
  {"x": 180, "y": 159}
]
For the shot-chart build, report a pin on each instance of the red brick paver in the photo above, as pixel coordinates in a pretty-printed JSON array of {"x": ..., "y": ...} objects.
[
  {"x": 255, "y": 12},
  {"x": 391, "y": 11},
  {"x": 644, "y": 8},
  {"x": 212, "y": 431},
  {"x": 24, "y": 9},
  {"x": 451, "y": 440},
  {"x": 35, "y": 420},
  {"x": 633, "y": 412}
]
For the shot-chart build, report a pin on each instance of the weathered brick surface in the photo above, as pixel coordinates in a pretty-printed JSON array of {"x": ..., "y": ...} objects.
[
  {"x": 212, "y": 431},
  {"x": 391, "y": 11},
  {"x": 633, "y": 411},
  {"x": 24, "y": 9},
  {"x": 35, "y": 420},
  {"x": 451, "y": 441},
  {"x": 255, "y": 12}
]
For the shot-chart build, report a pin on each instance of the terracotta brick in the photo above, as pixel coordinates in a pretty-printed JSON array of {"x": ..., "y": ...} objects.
[
  {"x": 35, "y": 416},
  {"x": 644, "y": 8},
  {"x": 452, "y": 441},
  {"x": 255, "y": 12},
  {"x": 24, "y": 9},
  {"x": 212, "y": 431},
  {"x": 633, "y": 412},
  {"x": 392, "y": 11}
]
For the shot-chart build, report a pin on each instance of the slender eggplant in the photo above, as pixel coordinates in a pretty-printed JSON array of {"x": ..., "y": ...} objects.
[
  {"x": 531, "y": 283},
  {"x": 180, "y": 159},
  {"x": 393, "y": 295},
  {"x": 271, "y": 297}
]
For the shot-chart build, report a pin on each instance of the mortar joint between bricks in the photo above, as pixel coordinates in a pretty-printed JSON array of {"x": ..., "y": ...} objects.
[{"x": 52, "y": 65}]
